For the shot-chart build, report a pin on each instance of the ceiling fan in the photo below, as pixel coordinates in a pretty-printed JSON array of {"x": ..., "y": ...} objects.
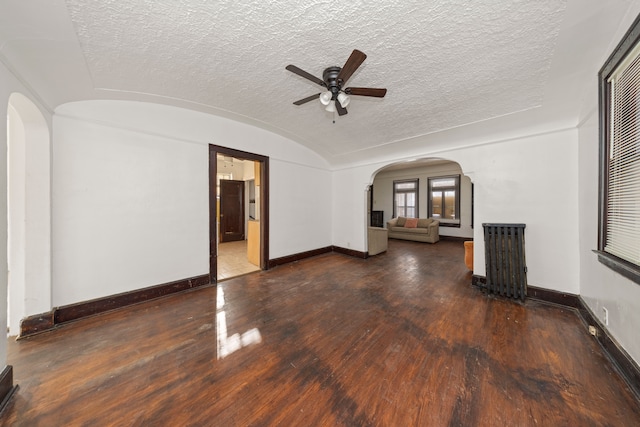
[{"x": 333, "y": 78}]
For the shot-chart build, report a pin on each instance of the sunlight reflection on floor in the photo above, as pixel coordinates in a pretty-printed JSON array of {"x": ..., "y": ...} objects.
[{"x": 227, "y": 345}]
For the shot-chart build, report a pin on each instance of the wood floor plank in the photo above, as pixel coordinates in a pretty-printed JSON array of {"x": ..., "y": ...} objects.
[{"x": 396, "y": 339}]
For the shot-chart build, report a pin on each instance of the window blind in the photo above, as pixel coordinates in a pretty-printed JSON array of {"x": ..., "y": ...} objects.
[{"x": 623, "y": 190}]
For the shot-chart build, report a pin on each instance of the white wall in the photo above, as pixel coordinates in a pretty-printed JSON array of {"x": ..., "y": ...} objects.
[
  {"x": 531, "y": 180},
  {"x": 189, "y": 126},
  {"x": 349, "y": 210},
  {"x": 249, "y": 171},
  {"x": 10, "y": 85},
  {"x": 7, "y": 85},
  {"x": 130, "y": 191},
  {"x": 16, "y": 153},
  {"x": 130, "y": 210},
  {"x": 299, "y": 208},
  {"x": 383, "y": 194},
  {"x": 601, "y": 286},
  {"x": 29, "y": 211}
]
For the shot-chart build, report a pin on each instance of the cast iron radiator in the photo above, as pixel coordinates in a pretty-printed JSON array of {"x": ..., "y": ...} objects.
[{"x": 504, "y": 259}]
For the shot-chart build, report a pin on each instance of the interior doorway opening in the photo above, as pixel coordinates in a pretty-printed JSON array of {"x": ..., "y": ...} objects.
[
  {"x": 238, "y": 212},
  {"x": 424, "y": 188}
]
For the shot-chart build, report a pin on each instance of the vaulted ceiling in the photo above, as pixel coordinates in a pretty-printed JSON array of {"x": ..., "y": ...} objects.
[{"x": 446, "y": 64}]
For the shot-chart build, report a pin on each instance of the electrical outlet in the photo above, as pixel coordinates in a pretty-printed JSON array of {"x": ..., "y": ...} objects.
[
  {"x": 593, "y": 331},
  {"x": 605, "y": 315}
]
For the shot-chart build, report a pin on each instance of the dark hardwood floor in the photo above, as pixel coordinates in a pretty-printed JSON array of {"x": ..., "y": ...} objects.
[{"x": 399, "y": 339}]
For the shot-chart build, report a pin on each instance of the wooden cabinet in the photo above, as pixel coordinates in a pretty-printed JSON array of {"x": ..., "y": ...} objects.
[{"x": 253, "y": 242}]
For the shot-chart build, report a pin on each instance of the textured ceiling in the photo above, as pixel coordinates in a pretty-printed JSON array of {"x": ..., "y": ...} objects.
[{"x": 445, "y": 63}]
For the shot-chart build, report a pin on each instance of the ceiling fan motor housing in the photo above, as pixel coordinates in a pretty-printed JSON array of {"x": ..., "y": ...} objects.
[{"x": 330, "y": 77}]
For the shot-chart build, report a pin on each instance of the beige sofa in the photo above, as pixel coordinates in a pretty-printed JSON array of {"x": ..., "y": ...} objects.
[{"x": 426, "y": 230}]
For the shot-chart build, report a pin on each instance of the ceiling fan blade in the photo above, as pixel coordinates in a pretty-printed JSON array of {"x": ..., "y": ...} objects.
[
  {"x": 341, "y": 110},
  {"x": 303, "y": 73},
  {"x": 307, "y": 99},
  {"x": 366, "y": 91},
  {"x": 352, "y": 64}
]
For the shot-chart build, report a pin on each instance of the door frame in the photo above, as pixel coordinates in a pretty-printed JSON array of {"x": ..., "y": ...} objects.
[{"x": 214, "y": 150}]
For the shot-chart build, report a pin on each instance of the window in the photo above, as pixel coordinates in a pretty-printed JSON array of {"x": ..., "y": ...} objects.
[
  {"x": 619, "y": 216},
  {"x": 405, "y": 198},
  {"x": 444, "y": 200}
]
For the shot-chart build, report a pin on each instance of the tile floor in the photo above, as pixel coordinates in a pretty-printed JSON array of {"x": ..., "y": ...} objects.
[{"x": 232, "y": 260}]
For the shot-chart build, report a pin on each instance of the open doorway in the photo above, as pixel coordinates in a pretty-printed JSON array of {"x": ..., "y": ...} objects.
[
  {"x": 425, "y": 188},
  {"x": 238, "y": 188},
  {"x": 235, "y": 181}
]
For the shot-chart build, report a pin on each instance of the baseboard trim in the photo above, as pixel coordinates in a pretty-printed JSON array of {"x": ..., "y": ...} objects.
[
  {"x": 298, "y": 257},
  {"x": 456, "y": 238},
  {"x": 619, "y": 358},
  {"x": 315, "y": 252},
  {"x": 626, "y": 366},
  {"x": 36, "y": 324},
  {"x": 350, "y": 252},
  {"x": 59, "y": 315},
  {"x": 7, "y": 389},
  {"x": 43, "y": 322},
  {"x": 554, "y": 297}
]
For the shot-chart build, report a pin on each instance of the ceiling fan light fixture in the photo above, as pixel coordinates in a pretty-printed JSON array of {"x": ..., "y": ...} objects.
[
  {"x": 335, "y": 98},
  {"x": 343, "y": 99},
  {"x": 331, "y": 107},
  {"x": 325, "y": 97}
]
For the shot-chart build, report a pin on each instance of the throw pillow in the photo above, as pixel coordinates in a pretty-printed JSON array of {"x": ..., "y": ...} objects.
[
  {"x": 411, "y": 223},
  {"x": 424, "y": 222},
  {"x": 401, "y": 221}
]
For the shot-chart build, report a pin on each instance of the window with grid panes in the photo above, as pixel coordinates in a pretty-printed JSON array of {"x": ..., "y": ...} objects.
[
  {"x": 405, "y": 198},
  {"x": 444, "y": 200},
  {"x": 619, "y": 218}
]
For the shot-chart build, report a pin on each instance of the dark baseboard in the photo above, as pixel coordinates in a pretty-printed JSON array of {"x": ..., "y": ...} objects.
[
  {"x": 7, "y": 389},
  {"x": 542, "y": 294},
  {"x": 297, "y": 257},
  {"x": 37, "y": 323},
  {"x": 59, "y": 315},
  {"x": 626, "y": 366},
  {"x": 77, "y": 311},
  {"x": 555, "y": 297},
  {"x": 68, "y": 313},
  {"x": 350, "y": 252},
  {"x": 456, "y": 238},
  {"x": 315, "y": 252}
]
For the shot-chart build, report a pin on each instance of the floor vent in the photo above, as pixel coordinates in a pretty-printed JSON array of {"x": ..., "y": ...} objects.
[{"x": 505, "y": 261}]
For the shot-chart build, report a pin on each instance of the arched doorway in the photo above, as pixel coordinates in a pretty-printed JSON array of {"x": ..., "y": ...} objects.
[
  {"x": 405, "y": 189},
  {"x": 28, "y": 211}
]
